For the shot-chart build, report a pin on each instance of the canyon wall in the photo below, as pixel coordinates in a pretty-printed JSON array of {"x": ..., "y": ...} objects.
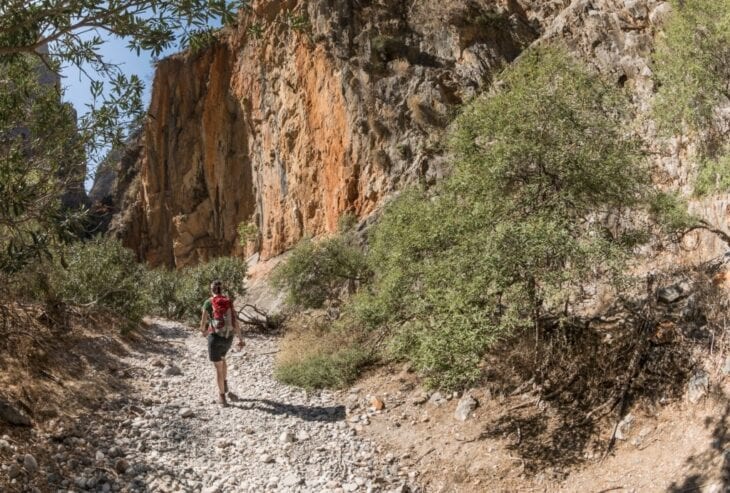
[
  {"x": 310, "y": 109},
  {"x": 305, "y": 111}
]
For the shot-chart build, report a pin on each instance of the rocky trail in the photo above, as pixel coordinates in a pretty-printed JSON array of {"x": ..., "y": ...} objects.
[{"x": 171, "y": 435}]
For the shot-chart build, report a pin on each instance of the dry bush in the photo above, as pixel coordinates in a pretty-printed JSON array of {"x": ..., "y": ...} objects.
[{"x": 318, "y": 354}]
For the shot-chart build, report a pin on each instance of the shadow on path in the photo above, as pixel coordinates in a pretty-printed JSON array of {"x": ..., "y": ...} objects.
[{"x": 307, "y": 413}]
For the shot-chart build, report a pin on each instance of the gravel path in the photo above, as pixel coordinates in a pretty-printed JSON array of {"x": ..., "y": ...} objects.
[{"x": 174, "y": 437}]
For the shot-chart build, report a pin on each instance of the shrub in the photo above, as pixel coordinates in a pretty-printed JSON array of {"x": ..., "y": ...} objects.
[
  {"x": 692, "y": 63},
  {"x": 100, "y": 273},
  {"x": 193, "y": 287},
  {"x": 319, "y": 358},
  {"x": 713, "y": 176},
  {"x": 161, "y": 288},
  {"x": 316, "y": 272},
  {"x": 517, "y": 230}
]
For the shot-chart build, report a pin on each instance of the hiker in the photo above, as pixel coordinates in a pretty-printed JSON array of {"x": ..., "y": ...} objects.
[{"x": 219, "y": 324}]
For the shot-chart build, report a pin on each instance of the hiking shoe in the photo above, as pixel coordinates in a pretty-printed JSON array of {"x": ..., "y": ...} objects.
[{"x": 222, "y": 400}]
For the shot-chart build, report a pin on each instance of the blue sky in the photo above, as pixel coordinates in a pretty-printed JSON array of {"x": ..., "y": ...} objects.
[{"x": 114, "y": 50}]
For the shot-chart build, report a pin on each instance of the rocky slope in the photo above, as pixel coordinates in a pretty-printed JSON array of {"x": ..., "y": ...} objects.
[
  {"x": 310, "y": 109},
  {"x": 167, "y": 433}
]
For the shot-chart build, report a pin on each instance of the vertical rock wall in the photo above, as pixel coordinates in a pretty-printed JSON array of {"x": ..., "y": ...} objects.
[
  {"x": 310, "y": 109},
  {"x": 289, "y": 123}
]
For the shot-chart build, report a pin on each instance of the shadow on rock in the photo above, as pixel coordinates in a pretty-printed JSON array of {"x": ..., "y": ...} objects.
[{"x": 329, "y": 414}]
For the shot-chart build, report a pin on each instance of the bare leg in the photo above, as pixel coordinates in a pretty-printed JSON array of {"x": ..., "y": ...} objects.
[{"x": 220, "y": 374}]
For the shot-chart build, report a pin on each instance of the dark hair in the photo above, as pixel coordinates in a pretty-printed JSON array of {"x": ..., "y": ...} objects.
[{"x": 216, "y": 287}]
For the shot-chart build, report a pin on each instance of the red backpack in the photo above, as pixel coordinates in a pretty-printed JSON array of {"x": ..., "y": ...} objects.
[{"x": 222, "y": 308}]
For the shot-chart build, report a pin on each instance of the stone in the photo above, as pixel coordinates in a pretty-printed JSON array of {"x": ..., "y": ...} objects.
[
  {"x": 12, "y": 414},
  {"x": 186, "y": 412},
  {"x": 157, "y": 363},
  {"x": 173, "y": 371},
  {"x": 660, "y": 13},
  {"x": 291, "y": 479},
  {"x": 302, "y": 436},
  {"x": 121, "y": 466},
  {"x": 699, "y": 384},
  {"x": 419, "y": 399},
  {"x": 99, "y": 455},
  {"x": 287, "y": 437},
  {"x": 624, "y": 427},
  {"x": 726, "y": 366},
  {"x": 467, "y": 404},
  {"x": 5, "y": 446},
  {"x": 437, "y": 398},
  {"x": 672, "y": 294},
  {"x": 14, "y": 471},
  {"x": 266, "y": 458},
  {"x": 30, "y": 464},
  {"x": 377, "y": 404}
]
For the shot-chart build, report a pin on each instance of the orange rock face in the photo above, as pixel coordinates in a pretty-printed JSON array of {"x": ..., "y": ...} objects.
[{"x": 305, "y": 111}]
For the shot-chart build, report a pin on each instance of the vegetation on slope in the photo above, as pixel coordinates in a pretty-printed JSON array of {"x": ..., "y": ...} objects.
[
  {"x": 517, "y": 231},
  {"x": 693, "y": 75}
]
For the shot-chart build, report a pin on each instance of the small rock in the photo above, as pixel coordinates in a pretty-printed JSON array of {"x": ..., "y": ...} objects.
[
  {"x": 377, "y": 404},
  {"x": 5, "y": 446},
  {"x": 673, "y": 293},
  {"x": 466, "y": 406},
  {"x": 660, "y": 13},
  {"x": 420, "y": 398},
  {"x": 99, "y": 455},
  {"x": 186, "y": 412},
  {"x": 624, "y": 427},
  {"x": 121, "y": 466},
  {"x": 30, "y": 464},
  {"x": 302, "y": 436},
  {"x": 14, "y": 471},
  {"x": 350, "y": 486},
  {"x": 726, "y": 366},
  {"x": 172, "y": 371},
  {"x": 266, "y": 458},
  {"x": 437, "y": 398},
  {"x": 158, "y": 363},
  {"x": 291, "y": 479},
  {"x": 12, "y": 415},
  {"x": 698, "y": 385},
  {"x": 287, "y": 437}
]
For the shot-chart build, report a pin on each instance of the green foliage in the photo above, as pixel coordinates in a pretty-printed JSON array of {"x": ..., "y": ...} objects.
[
  {"x": 40, "y": 161},
  {"x": 297, "y": 22},
  {"x": 100, "y": 273},
  {"x": 319, "y": 358},
  {"x": 671, "y": 212},
  {"x": 162, "y": 287},
  {"x": 517, "y": 230},
  {"x": 43, "y": 147},
  {"x": 193, "y": 286},
  {"x": 692, "y": 64},
  {"x": 335, "y": 370},
  {"x": 346, "y": 222},
  {"x": 315, "y": 272},
  {"x": 713, "y": 176},
  {"x": 247, "y": 232}
]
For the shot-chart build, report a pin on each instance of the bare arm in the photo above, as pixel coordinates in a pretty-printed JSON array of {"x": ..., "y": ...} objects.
[
  {"x": 236, "y": 326},
  {"x": 203, "y": 321}
]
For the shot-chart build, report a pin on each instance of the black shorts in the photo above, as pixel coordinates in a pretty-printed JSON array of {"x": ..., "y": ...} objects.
[{"x": 218, "y": 347}]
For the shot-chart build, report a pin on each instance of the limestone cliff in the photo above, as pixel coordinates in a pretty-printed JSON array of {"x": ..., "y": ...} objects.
[{"x": 309, "y": 109}]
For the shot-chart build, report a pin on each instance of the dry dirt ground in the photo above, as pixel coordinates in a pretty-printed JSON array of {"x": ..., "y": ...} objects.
[{"x": 678, "y": 447}]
